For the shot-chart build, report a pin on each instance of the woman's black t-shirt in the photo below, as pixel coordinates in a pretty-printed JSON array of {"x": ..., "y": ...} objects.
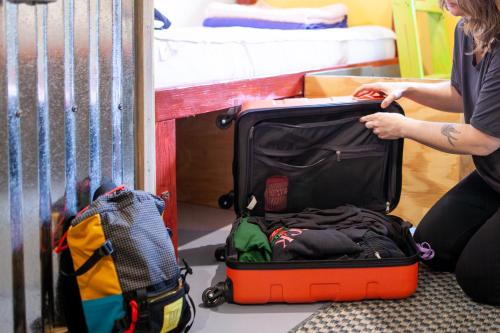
[{"x": 479, "y": 85}]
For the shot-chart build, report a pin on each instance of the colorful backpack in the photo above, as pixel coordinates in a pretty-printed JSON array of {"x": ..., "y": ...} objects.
[{"x": 125, "y": 266}]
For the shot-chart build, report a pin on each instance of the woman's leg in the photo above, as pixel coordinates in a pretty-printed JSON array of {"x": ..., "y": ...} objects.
[
  {"x": 478, "y": 268},
  {"x": 455, "y": 218}
]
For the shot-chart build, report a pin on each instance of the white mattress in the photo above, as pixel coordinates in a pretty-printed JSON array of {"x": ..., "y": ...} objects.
[{"x": 200, "y": 55}]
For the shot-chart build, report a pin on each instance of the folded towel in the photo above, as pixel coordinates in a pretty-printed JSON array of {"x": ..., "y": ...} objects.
[
  {"x": 325, "y": 15},
  {"x": 216, "y": 22}
]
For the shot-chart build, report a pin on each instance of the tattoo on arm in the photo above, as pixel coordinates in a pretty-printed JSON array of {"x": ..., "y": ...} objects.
[{"x": 448, "y": 130}]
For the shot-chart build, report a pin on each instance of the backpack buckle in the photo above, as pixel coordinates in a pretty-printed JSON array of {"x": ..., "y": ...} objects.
[{"x": 106, "y": 249}]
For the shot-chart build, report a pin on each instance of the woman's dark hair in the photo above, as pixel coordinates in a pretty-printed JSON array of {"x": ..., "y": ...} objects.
[{"x": 481, "y": 21}]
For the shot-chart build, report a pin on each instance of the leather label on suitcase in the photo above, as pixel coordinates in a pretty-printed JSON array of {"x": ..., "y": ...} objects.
[{"x": 276, "y": 193}]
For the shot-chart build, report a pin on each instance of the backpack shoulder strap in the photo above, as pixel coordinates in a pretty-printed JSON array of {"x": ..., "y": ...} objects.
[{"x": 105, "y": 250}]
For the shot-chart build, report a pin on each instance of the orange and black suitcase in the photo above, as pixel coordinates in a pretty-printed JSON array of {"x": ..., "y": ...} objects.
[{"x": 324, "y": 157}]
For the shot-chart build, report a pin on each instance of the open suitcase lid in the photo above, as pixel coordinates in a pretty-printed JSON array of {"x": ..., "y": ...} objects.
[{"x": 264, "y": 127}]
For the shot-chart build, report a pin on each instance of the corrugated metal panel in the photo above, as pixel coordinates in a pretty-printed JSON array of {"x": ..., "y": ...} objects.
[
  {"x": 128, "y": 91},
  {"x": 70, "y": 108},
  {"x": 44, "y": 188},
  {"x": 15, "y": 166},
  {"x": 116, "y": 105},
  {"x": 68, "y": 121},
  {"x": 94, "y": 96},
  {"x": 5, "y": 248},
  {"x": 106, "y": 77}
]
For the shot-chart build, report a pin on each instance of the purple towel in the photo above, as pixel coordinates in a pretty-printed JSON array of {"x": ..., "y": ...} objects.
[{"x": 216, "y": 22}]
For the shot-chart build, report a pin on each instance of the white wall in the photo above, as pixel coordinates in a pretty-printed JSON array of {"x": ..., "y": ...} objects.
[{"x": 185, "y": 12}]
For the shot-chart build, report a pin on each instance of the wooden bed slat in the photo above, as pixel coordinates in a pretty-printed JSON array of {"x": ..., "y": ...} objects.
[{"x": 183, "y": 102}]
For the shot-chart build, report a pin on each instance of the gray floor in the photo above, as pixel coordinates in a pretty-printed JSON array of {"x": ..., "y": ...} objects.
[{"x": 201, "y": 231}]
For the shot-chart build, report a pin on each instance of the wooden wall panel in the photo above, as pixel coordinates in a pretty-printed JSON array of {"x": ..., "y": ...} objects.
[
  {"x": 204, "y": 159},
  {"x": 427, "y": 173}
]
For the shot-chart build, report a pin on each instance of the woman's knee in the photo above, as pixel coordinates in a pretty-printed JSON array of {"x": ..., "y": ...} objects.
[{"x": 479, "y": 280}]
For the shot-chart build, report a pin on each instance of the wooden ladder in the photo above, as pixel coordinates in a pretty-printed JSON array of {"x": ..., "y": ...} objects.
[{"x": 409, "y": 37}]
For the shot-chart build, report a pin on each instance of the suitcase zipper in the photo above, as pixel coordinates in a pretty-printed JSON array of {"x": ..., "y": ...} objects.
[
  {"x": 319, "y": 264},
  {"x": 249, "y": 168},
  {"x": 314, "y": 124},
  {"x": 153, "y": 299},
  {"x": 356, "y": 153},
  {"x": 350, "y": 151},
  {"x": 392, "y": 178},
  {"x": 301, "y": 111}
]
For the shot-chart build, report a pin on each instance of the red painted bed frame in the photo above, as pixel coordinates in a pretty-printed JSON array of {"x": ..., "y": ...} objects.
[{"x": 174, "y": 103}]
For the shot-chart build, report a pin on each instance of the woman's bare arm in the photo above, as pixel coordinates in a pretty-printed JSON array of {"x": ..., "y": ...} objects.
[
  {"x": 447, "y": 137},
  {"x": 441, "y": 96}
]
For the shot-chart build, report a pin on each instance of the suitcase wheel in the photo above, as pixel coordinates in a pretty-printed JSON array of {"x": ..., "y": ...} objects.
[
  {"x": 220, "y": 253},
  {"x": 214, "y": 296},
  {"x": 226, "y": 200},
  {"x": 223, "y": 121}
]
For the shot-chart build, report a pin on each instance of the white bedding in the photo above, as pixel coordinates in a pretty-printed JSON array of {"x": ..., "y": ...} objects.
[{"x": 198, "y": 55}]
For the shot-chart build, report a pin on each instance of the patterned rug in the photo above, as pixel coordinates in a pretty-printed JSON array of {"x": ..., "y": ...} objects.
[{"x": 439, "y": 305}]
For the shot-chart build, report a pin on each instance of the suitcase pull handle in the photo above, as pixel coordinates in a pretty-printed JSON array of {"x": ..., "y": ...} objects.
[
  {"x": 253, "y": 202},
  {"x": 425, "y": 251}
]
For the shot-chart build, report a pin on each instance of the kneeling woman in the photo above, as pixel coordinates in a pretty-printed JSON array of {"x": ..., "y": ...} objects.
[{"x": 463, "y": 227}]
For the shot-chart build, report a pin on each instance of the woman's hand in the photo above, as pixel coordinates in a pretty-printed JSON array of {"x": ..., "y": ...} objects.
[
  {"x": 391, "y": 91},
  {"x": 385, "y": 125}
]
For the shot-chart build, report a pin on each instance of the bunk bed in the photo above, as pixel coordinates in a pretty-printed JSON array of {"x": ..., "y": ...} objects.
[{"x": 182, "y": 92}]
